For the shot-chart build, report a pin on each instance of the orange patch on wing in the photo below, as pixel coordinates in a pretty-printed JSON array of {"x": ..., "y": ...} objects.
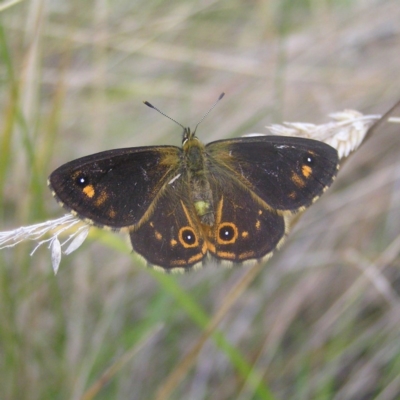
[
  {"x": 218, "y": 214},
  {"x": 158, "y": 235},
  {"x": 247, "y": 254},
  {"x": 89, "y": 191},
  {"x": 306, "y": 170},
  {"x": 178, "y": 262},
  {"x": 245, "y": 234},
  {"x": 226, "y": 254},
  {"x": 297, "y": 180},
  {"x": 211, "y": 247},
  {"x": 76, "y": 174},
  {"x": 173, "y": 242},
  {"x": 195, "y": 258},
  {"x": 187, "y": 214},
  {"x": 101, "y": 199},
  {"x": 112, "y": 213}
]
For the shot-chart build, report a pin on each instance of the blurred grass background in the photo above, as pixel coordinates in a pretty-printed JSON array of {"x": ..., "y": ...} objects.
[{"x": 320, "y": 321}]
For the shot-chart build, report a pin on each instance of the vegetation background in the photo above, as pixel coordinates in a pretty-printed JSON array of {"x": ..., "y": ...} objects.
[{"x": 321, "y": 320}]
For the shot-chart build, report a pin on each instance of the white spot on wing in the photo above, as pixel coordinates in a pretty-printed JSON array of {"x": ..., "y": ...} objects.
[
  {"x": 174, "y": 179},
  {"x": 254, "y": 134},
  {"x": 146, "y": 178}
]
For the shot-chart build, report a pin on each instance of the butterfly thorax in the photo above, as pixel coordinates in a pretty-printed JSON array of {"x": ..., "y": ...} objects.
[{"x": 200, "y": 190}]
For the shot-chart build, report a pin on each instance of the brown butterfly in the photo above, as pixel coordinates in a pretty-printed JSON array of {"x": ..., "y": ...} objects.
[{"x": 229, "y": 199}]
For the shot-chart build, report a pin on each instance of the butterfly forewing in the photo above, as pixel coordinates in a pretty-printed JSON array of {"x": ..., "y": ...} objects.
[
  {"x": 115, "y": 188},
  {"x": 287, "y": 173}
]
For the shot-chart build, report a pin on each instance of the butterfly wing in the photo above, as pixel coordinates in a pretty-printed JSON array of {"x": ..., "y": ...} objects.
[
  {"x": 171, "y": 237},
  {"x": 287, "y": 173},
  {"x": 245, "y": 228},
  {"x": 115, "y": 188},
  {"x": 256, "y": 182}
]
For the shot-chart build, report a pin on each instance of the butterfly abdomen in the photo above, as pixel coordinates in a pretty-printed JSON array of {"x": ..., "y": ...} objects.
[{"x": 201, "y": 194}]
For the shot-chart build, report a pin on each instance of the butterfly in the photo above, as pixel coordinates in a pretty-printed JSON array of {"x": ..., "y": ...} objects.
[{"x": 229, "y": 200}]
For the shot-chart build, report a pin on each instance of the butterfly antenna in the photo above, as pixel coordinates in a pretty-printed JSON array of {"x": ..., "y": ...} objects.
[
  {"x": 208, "y": 112},
  {"x": 165, "y": 115}
]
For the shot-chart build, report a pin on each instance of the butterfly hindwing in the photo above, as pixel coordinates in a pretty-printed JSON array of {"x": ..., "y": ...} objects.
[
  {"x": 171, "y": 237},
  {"x": 115, "y": 188},
  {"x": 288, "y": 173},
  {"x": 244, "y": 227}
]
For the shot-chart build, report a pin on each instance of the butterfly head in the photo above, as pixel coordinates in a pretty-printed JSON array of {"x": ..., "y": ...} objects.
[{"x": 188, "y": 135}]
